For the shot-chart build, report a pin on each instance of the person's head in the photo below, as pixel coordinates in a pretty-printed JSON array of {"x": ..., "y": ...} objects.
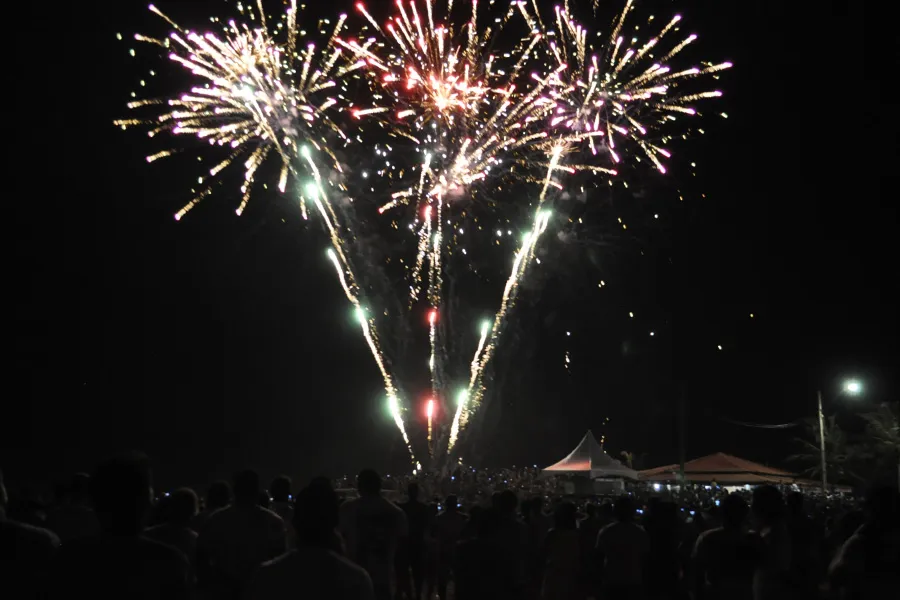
[
  {"x": 734, "y": 511},
  {"x": 79, "y": 489},
  {"x": 182, "y": 507},
  {"x": 218, "y": 495},
  {"x": 623, "y": 509},
  {"x": 508, "y": 503},
  {"x": 121, "y": 491},
  {"x": 591, "y": 511},
  {"x": 451, "y": 504},
  {"x": 768, "y": 504},
  {"x": 246, "y": 488},
  {"x": 316, "y": 514},
  {"x": 564, "y": 517},
  {"x": 263, "y": 499},
  {"x": 413, "y": 491},
  {"x": 368, "y": 483},
  {"x": 280, "y": 489}
]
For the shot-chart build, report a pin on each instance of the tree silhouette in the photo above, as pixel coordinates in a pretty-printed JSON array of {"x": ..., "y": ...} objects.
[{"x": 840, "y": 456}]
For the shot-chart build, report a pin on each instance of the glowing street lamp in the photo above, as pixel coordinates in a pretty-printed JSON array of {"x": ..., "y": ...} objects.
[{"x": 851, "y": 387}]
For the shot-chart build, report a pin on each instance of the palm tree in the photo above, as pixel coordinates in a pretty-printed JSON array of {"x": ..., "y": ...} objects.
[
  {"x": 839, "y": 455},
  {"x": 883, "y": 435}
]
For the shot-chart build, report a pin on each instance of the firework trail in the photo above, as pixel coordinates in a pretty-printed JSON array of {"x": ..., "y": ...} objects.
[
  {"x": 261, "y": 96},
  {"x": 440, "y": 89},
  {"x": 620, "y": 90}
]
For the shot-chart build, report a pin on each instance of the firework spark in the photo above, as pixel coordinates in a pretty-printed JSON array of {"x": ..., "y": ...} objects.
[
  {"x": 615, "y": 96},
  {"x": 257, "y": 98}
]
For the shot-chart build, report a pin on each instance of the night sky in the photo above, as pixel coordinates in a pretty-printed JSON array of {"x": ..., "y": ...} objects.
[{"x": 222, "y": 342}]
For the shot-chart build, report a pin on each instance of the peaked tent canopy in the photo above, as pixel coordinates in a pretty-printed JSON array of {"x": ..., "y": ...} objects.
[
  {"x": 589, "y": 458},
  {"x": 721, "y": 468}
]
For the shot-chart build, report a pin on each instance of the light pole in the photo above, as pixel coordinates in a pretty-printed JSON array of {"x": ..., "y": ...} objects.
[{"x": 851, "y": 387}]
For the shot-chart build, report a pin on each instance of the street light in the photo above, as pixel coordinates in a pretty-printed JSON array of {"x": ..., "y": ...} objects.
[{"x": 852, "y": 387}]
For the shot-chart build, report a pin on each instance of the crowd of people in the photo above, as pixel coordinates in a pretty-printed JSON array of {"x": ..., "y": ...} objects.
[{"x": 456, "y": 536}]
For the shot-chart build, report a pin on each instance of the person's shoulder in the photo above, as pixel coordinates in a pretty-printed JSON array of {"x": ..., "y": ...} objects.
[
  {"x": 347, "y": 567},
  {"x": 270, "y": 515},
  {"x": 218, "y": 516},
  {"x": 277, "y": 564},
  {"x": 33, "y": 535},
  {"x": 159, "y": 551},
  {"x": 606, "y": 529},
  {"x": 350, "y": 505}
]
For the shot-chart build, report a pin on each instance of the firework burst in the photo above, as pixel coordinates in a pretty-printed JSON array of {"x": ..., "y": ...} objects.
[
  {"x": 468, "y": 106},
  {"x": 264, "y": 96},
  {"x": 259, "y": 97}
]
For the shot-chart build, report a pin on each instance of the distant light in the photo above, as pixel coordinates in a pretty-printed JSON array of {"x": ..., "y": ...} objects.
[
  {"x": 652, "y": 333},
  {"x": 751, "y": 315},
  {"x": 656, "y": 487},
  {"x": 720, "y": 347},
  {"x": 852, "y": 387},
  {"x": 631, "y": 314}
]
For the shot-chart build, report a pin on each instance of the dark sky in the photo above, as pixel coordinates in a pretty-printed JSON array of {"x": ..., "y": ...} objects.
[{"x": 222, "y": 342}]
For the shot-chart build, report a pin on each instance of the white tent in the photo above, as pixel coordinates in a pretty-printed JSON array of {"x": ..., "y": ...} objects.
[{"x": 590, "y": 459}]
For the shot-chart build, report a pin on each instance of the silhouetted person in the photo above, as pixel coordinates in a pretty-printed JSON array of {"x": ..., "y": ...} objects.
[
  {"x": 180, "y": 510},
  {"x": 770, "y": 580},
  {"x": 120, "y": 562},
  {"x": 411, "y": 551},
  {"x": 313, "y": 569},
  {"x": 804, "y": 573},
  {"x": 74, "y": 518},
  {"x": 513, "y": 535},
  {"x": 372, "y": 528},
  {"x": 868, "y": 564},
  {"x": 217, "y": 496},
  {"x": 25, "y": 555},
  {"x": 448, "y": 529},
  {"x": 283, "y": 506},
  {"x": 485, "y": 570},
  {"x": 622, "y": 549},
  {"x": 237, "y": 539},
  {"x": 724, "y": 558},
  {"x": 588, "y": 529},
  {"x": 561, "y": 556},
  {"x": 663, "y": 563},
  {"x": 537, "y": 525}
]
